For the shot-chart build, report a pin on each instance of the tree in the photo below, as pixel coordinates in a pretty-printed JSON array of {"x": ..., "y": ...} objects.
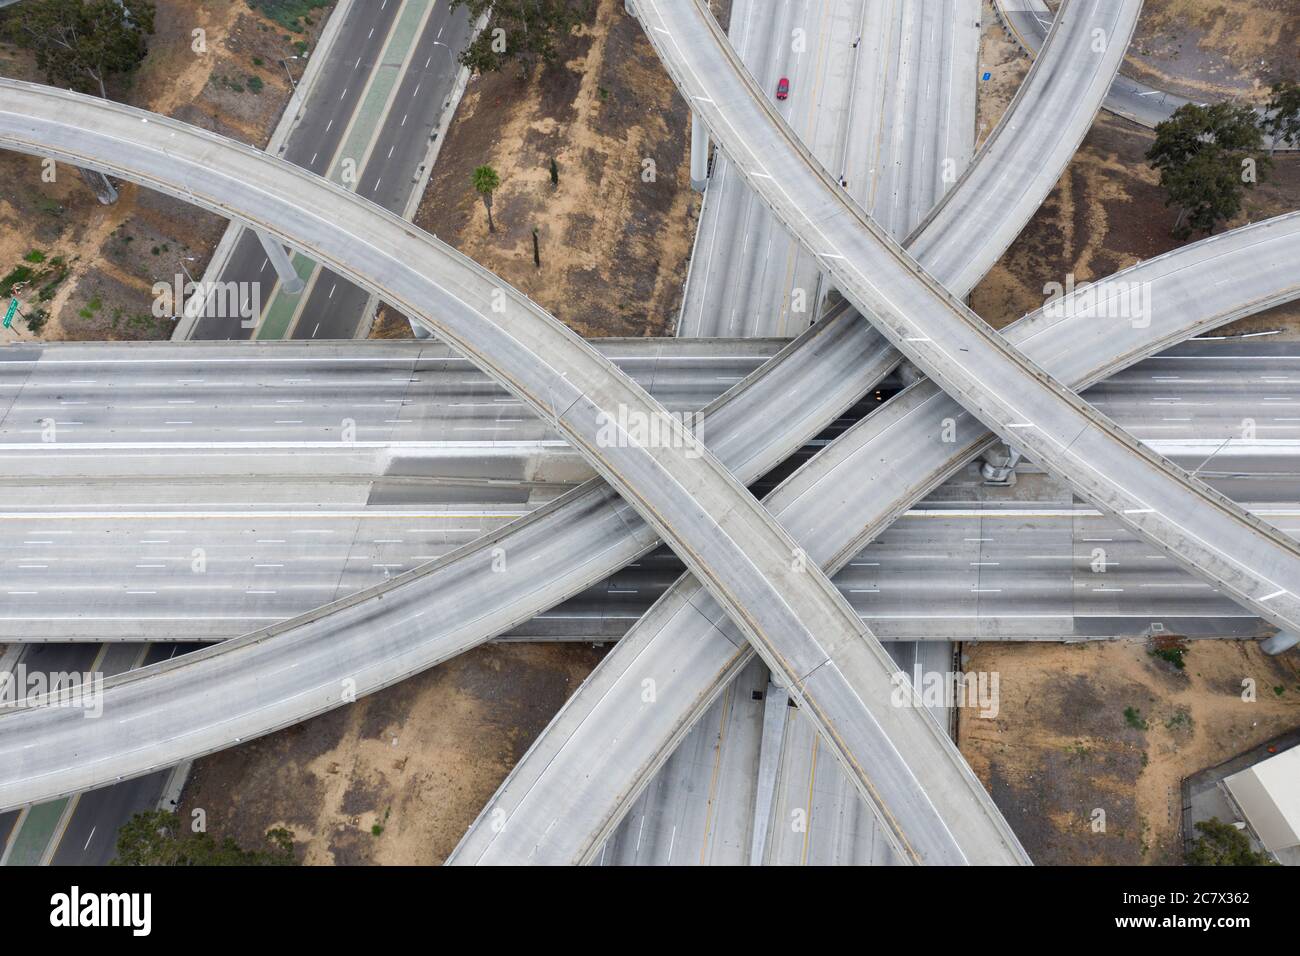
[
  {"x": 82, "y": 43},
  {"x": 1208, "y": 156},
  {"x": 520, "y": 31},
  {"x": 486, "y": 182},
  {"x": 1222, "y": 844},
  {"x": 1282, "y": 114},
  {"x": 157, "y": 838}
]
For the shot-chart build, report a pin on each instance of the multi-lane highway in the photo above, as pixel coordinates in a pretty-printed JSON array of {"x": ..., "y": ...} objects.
[
  {"x": 82, "y": 829},
  {"x": 367, "y": 123},
  {"x": 325, "y": 410},
  {"x": 688, "y": 496},
  {"x": 123, "y": 567},
  {"x": 890, "y": 107},
  {"x": 929, "y": 843},
  {"x": 1037, "y": 114},
  {"x": 358, "y": 103},
  {"x": 882, "y": 93},
  {"x": 874, "y": 472},
  {"x": 992, "y": 379}
]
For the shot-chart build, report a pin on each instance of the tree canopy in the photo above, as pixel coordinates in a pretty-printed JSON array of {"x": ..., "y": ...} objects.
[
  {"x": 525, "y": 32},
  {"x": 1283, "y": 113},
  {"x": 486, "y": 181},
  {"x": 82, "y": 43},
  {"x": 1222, "y": 844},
  {"x": 158, "y": 838},
  {"x": 1208, "y": 156}
]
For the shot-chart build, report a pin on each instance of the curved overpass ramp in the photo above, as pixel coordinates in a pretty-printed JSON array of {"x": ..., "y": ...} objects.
[
  {"x": 934, "y": 808},
  {"x": 573, "y": 785},
  {"x": 1206, "y": 532},
  {"x": 837, "y": 355}
]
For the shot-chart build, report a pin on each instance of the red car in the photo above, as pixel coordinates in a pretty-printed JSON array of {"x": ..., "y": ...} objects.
[{"x": 782, "y": 88}]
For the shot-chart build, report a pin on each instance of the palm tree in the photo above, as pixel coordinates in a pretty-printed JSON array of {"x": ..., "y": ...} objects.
[{"x": 486, "y": 181}]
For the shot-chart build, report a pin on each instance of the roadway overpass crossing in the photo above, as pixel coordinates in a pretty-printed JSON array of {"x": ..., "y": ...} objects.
[
  {"x": 874, "y": 473},
  {"x": 1031, "y": 411},
  {"x": 691, "y": 500}
]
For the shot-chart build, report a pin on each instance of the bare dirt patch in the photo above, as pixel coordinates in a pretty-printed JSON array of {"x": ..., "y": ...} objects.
[
  {"x": 397, "y": 777},
  {"x": 1110, "y": 727},
  {"x": 1107, "y": 213},
  {"x": 1216, "y": 48},
  {"x": 1006, "y": 63},
  {"x": 613, "y": 240},
  {"x": 236, "y": 87}
]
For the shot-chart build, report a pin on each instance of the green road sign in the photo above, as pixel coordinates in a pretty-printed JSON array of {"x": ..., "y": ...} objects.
[{"x": 9, "y": 316}]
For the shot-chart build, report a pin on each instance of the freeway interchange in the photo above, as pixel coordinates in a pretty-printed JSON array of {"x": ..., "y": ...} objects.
[{"x": 775, "y": 576}]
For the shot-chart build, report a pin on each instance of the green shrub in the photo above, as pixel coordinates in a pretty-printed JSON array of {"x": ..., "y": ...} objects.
[
  {"x": 287, "y": 13},
  {"x": 1133, "y": 717},
  {"x": 19, "y": 274},
  {"x": 1222, "y": 844},
  {"x": 1171, "y": 655}
]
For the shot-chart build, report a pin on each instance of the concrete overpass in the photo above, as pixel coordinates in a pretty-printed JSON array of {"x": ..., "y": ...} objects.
[
  {"x": 1031, "y": 411},
  {"x": 876, "y": 471},
  {"x": 728, "y": 539}
]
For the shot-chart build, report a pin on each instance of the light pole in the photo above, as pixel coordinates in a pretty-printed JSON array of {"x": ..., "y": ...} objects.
[{"x": 292, "y": 82}]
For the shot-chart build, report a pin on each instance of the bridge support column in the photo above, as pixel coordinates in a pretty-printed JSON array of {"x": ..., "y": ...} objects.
[
  {"x": 290, "y": 282},
  {"x": 1279, "y": 642},
  {"x": 103, "y": 188},
  {"x": 420, "y": 331},
  {"x": 775, "y": 704},
  {"x": 699, "y": 153},
  {"x": 998, "y": 465}
]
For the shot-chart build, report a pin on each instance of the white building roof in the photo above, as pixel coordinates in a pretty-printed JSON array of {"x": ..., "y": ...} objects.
[{"x": 1269, "y": 795}]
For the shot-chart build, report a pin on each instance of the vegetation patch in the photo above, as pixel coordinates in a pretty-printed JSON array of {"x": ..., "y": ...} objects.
[
  {"x": 1171, "y": 650},
  {"x": 1222, "y": 844},
  {"x": 18, "y": 276},
  {"x": 293, "y": 15},
  {"x": 159, "y": 838}
]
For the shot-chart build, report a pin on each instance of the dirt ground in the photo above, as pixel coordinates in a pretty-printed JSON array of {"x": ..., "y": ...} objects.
[
  {"x": 615, "y": 233},
  {"x": 1216, "y": 48},
  {"x": 418, "y": 760},
  {"x": 1006, "y": 64},
  {"x": 1110, "y": 727},
  {"x": 1108, "y": 213},
  {"x": 114, "y": 254}
]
